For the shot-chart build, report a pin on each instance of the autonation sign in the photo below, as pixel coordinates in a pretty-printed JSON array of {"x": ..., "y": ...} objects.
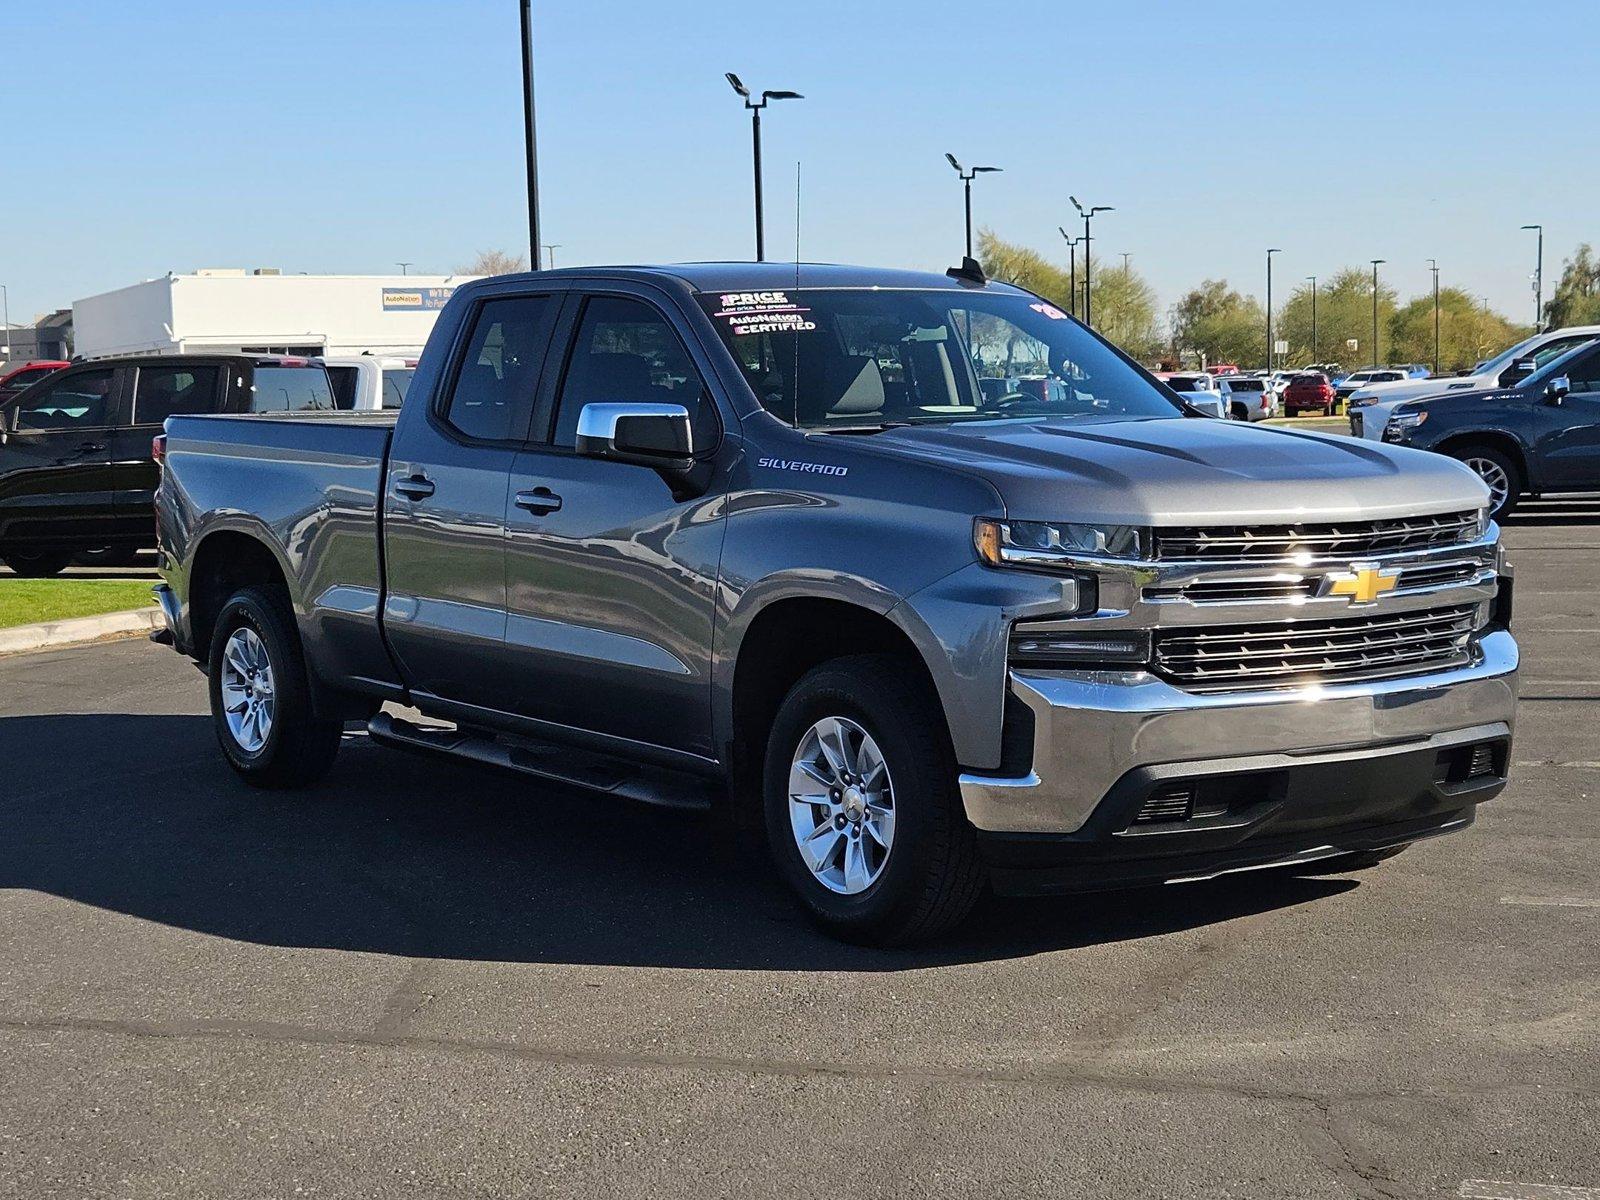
[{"x": 428, "y": 299}]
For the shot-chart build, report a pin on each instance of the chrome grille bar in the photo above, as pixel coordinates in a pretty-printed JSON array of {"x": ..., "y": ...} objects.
[{"x": 1353, "y": 539}]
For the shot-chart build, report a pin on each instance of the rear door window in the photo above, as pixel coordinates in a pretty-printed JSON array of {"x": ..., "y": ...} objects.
[
  {"x": 343, "y": 380},
  {"x": 498, "y": 375},
  {"x": 396, "y": 383},
  {"x": 167, "y": 391},
  {"x": 290, "y": 389}
]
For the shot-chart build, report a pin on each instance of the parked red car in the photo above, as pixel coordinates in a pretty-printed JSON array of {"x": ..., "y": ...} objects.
[
  {"x": 25, "y": 375},
  {"x": 1310, "y": 391}
]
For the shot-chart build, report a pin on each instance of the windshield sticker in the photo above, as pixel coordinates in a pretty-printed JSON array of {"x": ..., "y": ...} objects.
[
  {"x": 810, "y": 468},
  {"x": 1049, "y": 310},
  {"x": 763, "y": 312}
]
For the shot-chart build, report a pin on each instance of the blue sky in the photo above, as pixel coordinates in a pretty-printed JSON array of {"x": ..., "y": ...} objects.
[{"x": 346, "y": 135}]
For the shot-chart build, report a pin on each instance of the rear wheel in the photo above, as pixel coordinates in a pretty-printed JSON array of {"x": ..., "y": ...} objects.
[
  {"x": 36, "y": 564},
  {"x": 1499, "y": 473},
  {"x": 261, "y": 698},
  {"x": 864, "y": 818}
]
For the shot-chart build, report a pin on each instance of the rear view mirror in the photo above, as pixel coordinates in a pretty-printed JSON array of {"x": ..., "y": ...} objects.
[
  {"x": 1556, "y": 390},
  {"x": 647, "y": 435}
]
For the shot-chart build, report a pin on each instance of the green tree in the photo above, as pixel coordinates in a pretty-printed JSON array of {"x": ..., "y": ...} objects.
[
  {"x": 1344, "y": 312},
  {"x": 1125, "y": 310},
  {"x": 1577, "y": 298},
  {"x": 1468, "y": 331},
  {"x": 1217, "y": 324},
  {"x": 1124, "y": 303}
]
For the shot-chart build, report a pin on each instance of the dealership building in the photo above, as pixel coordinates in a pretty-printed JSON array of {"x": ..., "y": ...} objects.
[{"x": 263, "y": 312}]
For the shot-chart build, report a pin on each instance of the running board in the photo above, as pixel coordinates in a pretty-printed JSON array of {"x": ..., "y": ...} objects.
[{"x": 549, "y": 761}]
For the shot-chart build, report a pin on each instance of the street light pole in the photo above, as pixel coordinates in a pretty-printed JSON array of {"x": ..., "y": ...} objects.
[
  {"x": 529, "y": 136},
  {"x": 405, "y": 267},
  {"x": 755, "y": 107},
  {"x": 550, "y": 249},
  {"x": 966, "y": 179},
  {"x": 5, "y": 305},
  {"x": 1538, "y": 282},
  {"x": 1376, "y": 263},
  {"x": 1315, "y": 357},
  {"x": 1072, "y": 270},
  {"x": 1270, "y": 253},
  {"x": 1088, "y": 243},
  {"x": 1433, "y": 265}
]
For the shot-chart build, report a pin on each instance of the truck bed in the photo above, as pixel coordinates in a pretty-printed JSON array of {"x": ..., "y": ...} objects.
[{"x": 315, "y": 485}]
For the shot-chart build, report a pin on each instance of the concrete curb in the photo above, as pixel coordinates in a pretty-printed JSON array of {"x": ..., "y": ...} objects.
[{"x": 48, "y": 635}]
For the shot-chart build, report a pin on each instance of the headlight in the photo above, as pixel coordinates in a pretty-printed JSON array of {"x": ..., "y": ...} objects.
[
  {"x": 1041, "y": 544},
  {"x": 1402, "y": 423}
]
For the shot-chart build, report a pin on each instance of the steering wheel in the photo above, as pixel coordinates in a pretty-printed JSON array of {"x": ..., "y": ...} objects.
[{"x": 1009, "y": 400}]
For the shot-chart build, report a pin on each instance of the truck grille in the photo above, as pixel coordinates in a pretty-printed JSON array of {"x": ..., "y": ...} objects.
[
  {"x": 1295, "y": 653},
  {"x": 1304, "y": 587},
  {"x": 1346, "y": 540}
]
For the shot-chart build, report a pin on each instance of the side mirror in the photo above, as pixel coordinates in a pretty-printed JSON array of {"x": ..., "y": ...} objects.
[
  {"x": 647, "y": 435},
  {"x": 1556, "y": 390}
]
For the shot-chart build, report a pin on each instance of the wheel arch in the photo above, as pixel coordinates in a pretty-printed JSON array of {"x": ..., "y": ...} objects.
[
  {"x": 1456, "y": 443},
  {"x": 778, "y": 644}
]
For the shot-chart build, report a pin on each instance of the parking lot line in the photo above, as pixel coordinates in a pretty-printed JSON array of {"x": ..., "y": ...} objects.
[
  {"x": 1555, "y": 902},
  {"x": 1497, "y": 1189}
]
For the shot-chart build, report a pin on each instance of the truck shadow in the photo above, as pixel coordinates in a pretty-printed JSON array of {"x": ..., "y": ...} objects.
[{"x": 402, "y": 855}]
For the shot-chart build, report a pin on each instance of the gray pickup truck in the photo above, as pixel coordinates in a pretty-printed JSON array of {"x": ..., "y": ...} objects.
[{"x": 912, "y": 570}]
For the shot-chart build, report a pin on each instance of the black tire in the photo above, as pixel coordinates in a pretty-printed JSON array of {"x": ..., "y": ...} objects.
[
  {"x": 932, "y": 873},
  {"x": 37, "y": 564},
  {"x": 1360, "y": 860},
  {"x": 1478, "y": 451},
  {"x": 299, "y": 746}
]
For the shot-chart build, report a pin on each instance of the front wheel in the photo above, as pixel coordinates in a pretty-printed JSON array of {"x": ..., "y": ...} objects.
[
  {"x": 261, "y": 698},
  {"x": 863, "y": 814},
  {"x": 1499, "y": 474},
  {"x": 36, "y": 564}
]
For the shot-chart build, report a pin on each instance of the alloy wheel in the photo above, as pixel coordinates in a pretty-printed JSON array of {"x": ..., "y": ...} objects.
[
  {"x": 841, "y": 805},
  {"x": 1494, "y": 476},
  {"x": 248, "y": 698}
]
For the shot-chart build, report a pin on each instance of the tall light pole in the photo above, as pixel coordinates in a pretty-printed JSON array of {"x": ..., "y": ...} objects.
[
  {"x": 5, "y": 315},
  {"x": 1538, "y": 282},
  {"x": 405, "y": 267},
  {"x": 1315, "y": 357},
  {"x": 1088, "y": 291},
  {"x": 966, "y": 179},
  {"x": 529, "y": 138},
  {"x": 1072, "y": 268},
  {"x": 1270, "y": 253},
  {"x": 1433, "y": 265},
  {"x": 1376, "y": 263},
  {"x": 550, "y": 249},
  {"x": 755, "y": 107},
  {"x": 1125, "y": 267}
]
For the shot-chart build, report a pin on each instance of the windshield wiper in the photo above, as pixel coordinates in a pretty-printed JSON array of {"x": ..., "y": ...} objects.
[{"x": 860, "y": 428}]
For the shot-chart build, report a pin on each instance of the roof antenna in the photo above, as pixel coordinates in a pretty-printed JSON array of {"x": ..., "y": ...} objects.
[
  {"x": 796, "y": 375},
  {"x": 969, "y": 272}
]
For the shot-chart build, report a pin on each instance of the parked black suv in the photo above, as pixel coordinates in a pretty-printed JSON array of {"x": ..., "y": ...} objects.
[
  {"x": 1540, "y": 436},
  {"x": 77, "y": 472}
]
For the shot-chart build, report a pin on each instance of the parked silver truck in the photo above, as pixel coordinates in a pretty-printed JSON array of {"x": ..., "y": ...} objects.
[{"x": 781, "y": 542}]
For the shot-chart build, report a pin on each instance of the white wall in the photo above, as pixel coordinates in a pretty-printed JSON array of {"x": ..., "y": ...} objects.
[{"x": 345, "y": 314}]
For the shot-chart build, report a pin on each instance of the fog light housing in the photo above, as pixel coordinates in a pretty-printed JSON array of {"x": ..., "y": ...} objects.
[{"x": 1044, "y": 647}]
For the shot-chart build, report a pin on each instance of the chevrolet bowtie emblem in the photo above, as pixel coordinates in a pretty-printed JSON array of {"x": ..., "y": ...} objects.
[{"x": 1362, "y": 584}]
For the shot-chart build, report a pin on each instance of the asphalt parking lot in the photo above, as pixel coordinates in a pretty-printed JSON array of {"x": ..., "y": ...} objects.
[{"x": 421, "y": 980}]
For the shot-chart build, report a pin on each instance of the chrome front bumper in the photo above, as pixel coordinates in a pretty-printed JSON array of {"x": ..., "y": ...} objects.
[{"x": 1091, "y": 728}]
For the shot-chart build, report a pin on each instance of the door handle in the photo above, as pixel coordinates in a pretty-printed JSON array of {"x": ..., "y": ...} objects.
[
  {"x": 414, "y": 487},
  {"x": 539, "y": 500},
  {"x": 90, "y": 447}
]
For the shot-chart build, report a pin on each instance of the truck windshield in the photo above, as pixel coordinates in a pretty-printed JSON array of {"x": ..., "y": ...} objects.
[{"x": 838, "y": 358}]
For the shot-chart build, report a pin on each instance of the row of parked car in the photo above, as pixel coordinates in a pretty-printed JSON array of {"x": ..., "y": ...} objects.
[{"x": 77, "y": 475}]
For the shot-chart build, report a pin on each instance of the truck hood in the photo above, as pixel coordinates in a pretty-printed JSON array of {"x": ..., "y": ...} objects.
[
  {"x": 1189, "y": 471},
  {"x": 1412, "y": 389}
]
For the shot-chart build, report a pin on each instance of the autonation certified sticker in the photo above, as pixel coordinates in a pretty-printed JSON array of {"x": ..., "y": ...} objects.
[{"x": 763, "y": 312}]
